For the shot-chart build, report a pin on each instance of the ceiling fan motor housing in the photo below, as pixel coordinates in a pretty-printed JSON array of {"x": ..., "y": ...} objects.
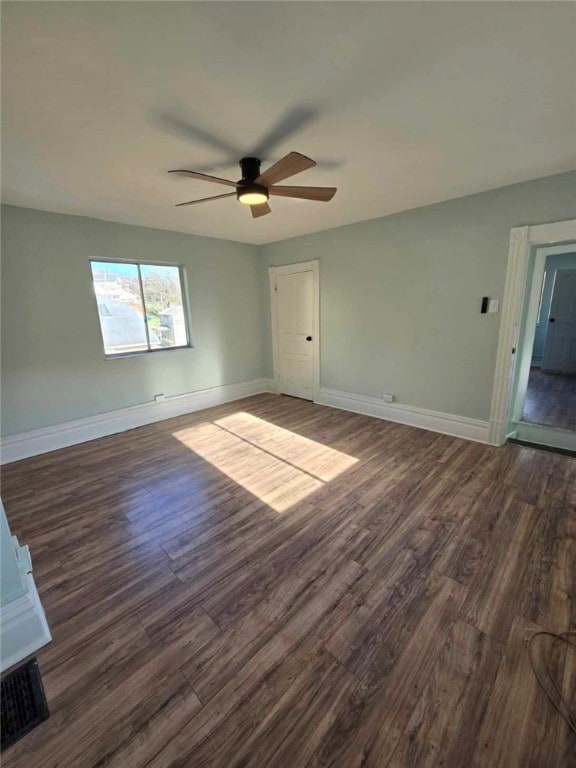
[
  {"x": 247, "y": 191},
  {"x": 252, "y": 193},
  {"x": 250, "y": 168}
]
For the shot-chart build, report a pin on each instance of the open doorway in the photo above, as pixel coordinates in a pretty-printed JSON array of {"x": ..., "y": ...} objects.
[
  {"x": 534, "y": 396},
  {"x": 551, "y": 392}
]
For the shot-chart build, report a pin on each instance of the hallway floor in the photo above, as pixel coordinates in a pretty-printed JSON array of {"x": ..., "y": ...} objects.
[{"x": 551, "y": 399}]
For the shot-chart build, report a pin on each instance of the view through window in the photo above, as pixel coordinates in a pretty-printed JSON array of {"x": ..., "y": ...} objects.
[{"x": 141, "y": 307}]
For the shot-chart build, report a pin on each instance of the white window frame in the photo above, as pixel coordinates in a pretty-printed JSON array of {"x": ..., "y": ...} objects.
[{"x": 185, "y": 304}]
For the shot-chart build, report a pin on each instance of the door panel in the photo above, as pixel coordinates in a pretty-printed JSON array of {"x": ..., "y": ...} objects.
[
  {"x": 295, "y": 316},
  {"x": 560, "y": 345}
]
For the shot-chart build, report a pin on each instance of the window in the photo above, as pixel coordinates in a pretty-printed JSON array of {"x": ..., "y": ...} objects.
[{"x": 141, "y": 307}]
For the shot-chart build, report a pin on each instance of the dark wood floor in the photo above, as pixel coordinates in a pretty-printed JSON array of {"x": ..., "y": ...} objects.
[
  {"x": 275, "y": 583},
  {"x": 551, "y": 399}
]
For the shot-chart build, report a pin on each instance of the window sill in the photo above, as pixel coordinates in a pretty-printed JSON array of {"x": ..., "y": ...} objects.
[{"x": 144, "y": 353}]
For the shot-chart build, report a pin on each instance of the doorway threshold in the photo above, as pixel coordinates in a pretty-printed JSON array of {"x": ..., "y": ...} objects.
[
  {"x": 539, "y": 434},
  {"x": 542, "y": 447}
]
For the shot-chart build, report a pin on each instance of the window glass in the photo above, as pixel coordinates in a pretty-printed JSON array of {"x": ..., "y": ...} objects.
[
  {"x": 164, "y": 306},
  {"x": 140, "y": 307}
]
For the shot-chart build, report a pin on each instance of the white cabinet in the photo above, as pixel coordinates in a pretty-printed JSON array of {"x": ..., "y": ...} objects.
[{"x": 23, "y": 626}]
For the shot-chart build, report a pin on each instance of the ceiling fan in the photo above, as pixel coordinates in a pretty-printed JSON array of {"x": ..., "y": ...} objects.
[{"x": 255, "y": 188}]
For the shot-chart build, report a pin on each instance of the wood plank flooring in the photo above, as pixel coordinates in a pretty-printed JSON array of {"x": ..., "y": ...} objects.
[
  {"x": 275, "y": 583},
  {"x": 551, "y": 399}
]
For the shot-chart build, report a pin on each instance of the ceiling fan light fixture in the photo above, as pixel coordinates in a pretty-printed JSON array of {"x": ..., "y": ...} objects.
[
  {"x": 254, "y": 188},
  {"x": 252, "y": 194}
]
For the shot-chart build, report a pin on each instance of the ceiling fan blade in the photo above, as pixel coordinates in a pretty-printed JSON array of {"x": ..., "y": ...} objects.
[
  {"x": 289, "y": 165},
  {"x": 260, "y": 210},
  {"x": 180, "y": 125},
  {"x": 292, "y": 121},
  {"x": 205, "y": 177},
  {"x": 205, "y": 199},
  {"x": 321, "y": 194}
]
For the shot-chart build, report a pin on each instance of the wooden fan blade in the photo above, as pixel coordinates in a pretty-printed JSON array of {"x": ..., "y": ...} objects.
[
  {"x": 260, "y": 210},
  {"x": 289, "y": 165},
  {"x": 205, "y": 177},
  {"x": 205, "y": 199},
  {"x": 321, "y": 194}
]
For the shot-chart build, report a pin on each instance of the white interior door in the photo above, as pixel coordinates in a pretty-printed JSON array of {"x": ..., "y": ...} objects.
[
  {"x": 295, "y": 307},
  {"x": 560, "y": 346}
]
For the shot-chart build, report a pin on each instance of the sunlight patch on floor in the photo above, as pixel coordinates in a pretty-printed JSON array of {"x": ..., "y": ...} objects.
[
  {"x": 277, "y": 466},
  {"x": 315, "y": 459}
]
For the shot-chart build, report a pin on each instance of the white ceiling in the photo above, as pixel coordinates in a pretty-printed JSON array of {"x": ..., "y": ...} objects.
[{"x": 402, "y": 104}]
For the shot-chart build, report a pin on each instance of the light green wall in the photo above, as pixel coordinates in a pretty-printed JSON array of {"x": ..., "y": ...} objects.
[
  {"x": 400, "y": 306},
  {"x": 400, "y": 296},
  {"x": 53, "y": 366}
]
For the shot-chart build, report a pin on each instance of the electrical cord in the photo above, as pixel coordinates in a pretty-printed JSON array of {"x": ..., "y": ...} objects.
[{"x": 560, "y": 704}]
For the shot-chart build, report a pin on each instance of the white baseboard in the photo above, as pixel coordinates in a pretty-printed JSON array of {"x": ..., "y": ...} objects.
[
  {"x": 435, "y": 421},
  {"x": 38, "y": 441},
  {"x": 23, "y": 628}
]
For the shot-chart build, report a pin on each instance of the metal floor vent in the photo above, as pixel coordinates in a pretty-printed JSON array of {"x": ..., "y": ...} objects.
[{"x": 23, "y": 702}]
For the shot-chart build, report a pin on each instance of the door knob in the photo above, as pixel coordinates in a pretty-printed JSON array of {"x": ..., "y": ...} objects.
[
  {"x": 308, "y": 338},
  {"x": 552, "y": 320}
]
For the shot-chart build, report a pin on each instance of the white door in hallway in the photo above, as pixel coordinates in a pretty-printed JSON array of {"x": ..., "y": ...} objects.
[
  {"x": 295, "y": 304},
  {"x": 560, "y": 347}
]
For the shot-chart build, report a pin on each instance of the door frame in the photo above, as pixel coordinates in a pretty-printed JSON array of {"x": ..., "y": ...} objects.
[
  {"x": 289, "y": 269},
  {"x": 522, "y": 242},
  {"x": 526, "y": 344}
]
